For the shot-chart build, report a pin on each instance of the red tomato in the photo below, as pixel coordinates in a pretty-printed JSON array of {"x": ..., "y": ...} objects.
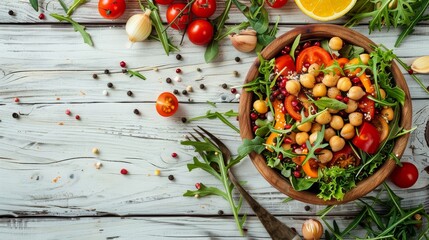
[
  {"x": 312, "y": 55},
  {"x": 368, "y": 139},
  {"x": 166, "y": 104},
  {"x": 172, "y": 11},
  {"x": 290, "y": 109},
  {"x": 405, "y": 176},
  {"x": 203, "y": 8},
  {"x": 367, "y": 106},
  {"x": 344, "y": 158},
  {"x": 111, "y": 9},
  {"x": 164, "y": 2},
  {"x": 276, "y": 3},
  {"x": 287, "y": 62},
  {"x": 200, "y": 32}
]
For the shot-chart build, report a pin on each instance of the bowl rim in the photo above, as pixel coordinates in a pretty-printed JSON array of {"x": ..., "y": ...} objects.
[{"x": 316, "y": 31}]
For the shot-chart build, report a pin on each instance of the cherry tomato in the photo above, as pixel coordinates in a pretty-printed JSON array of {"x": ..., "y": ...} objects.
[
  {"x": 286, "y": 62},
  {"x": 405, "y": 176},
  {"x": 344, "y": 158},
  {"x": 111, "y": 9},
  {"x": 312, "y": 55},
  {"x": 367, "y": 106},
  {"x": 289, "y": 107},
  {"x": 204, "y": 8},
  {"x": 166, "y": 104},
  {"x": 276, "y": 3},
  {"x": 200, "y": 32},
  {"x": 164, "y": 2},
  {"x": 368, "y": 139},
  {"x": 172, "y": 11}
]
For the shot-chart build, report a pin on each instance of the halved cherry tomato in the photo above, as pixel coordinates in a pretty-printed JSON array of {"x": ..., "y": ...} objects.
[
  {"x": 311, "y": 167},
  {"x": 111, "y": 9},
  {"x": 167, "y": 104},
  {"x": 285, "y": 62},
  {"x": 173, "y": 11},
  {"x": 289, "y": 107},
  {"x": 314, "y": 54},
  {"x": 368, "y": 139},
  {"x": 405, "y": 176},
  {"x": 367, "y": 106},
  {"x": 344, "y": 158},
  {"x": 382, "y": 127},
  {"x": 279, "y": 117},
  {"x": 276, "y": 3},
  {"x": 203, "y": 8}
]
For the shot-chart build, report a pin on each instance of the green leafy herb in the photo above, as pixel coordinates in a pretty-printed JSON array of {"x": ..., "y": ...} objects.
[
  {"x": 335, "y": 182},
  {"x": 220, "y": 116},
  {"x": 325, "y": 102},
  {"x": 64, "y": 6},
  {"x": 35, "y": 5},
  {"x": 294, "y": 46},
  {"x": 76, "y": 26},
  {"x": 253, "y": 145},
  {"x": 351, "y": 51},
  {"x": 135, "y": 73},
  {"x": 312, "y": 148},
  {"x": 213, "y": 104},
  {"x": 75, "y": 5}
]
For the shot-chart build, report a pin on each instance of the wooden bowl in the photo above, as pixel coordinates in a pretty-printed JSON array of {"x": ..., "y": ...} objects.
[{"x": 308, "y": 32}]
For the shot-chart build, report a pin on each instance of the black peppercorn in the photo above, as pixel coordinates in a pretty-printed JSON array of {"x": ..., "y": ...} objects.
[
  {"x": 170, "y": 177},
  {"x": 110, "y": 85},
  {"x": 106, "y": 71},
  {"x": 224, "y": 86},
  {"x": 175, "y": 91},
  {"x": 178, "y": 57},
  {"x": 15, "y": 115},
  {"x": 220, "y": 212},
  {"x": 11, "y": 13},
  {"x": 307, "y": 208},
  {"x": 95, "y": 76},
  {"x": 237, "y": 59},
  {"x": 236, "y": 74},
  {"x": 124, "y": 70},
  {"x": 202, "y": 86},
  {"x": 184, "y": 92},
  {"x": 168, "y": 80},
  {"x": 184, "y": 120},
  {"x": 136, "y": 111},
  {"x": 199, "y": 70},
  {"x": 129, "y": 93}
]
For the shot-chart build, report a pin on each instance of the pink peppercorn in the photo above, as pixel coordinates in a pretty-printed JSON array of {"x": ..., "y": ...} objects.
[
  {"x": 77, "y": 117},
  {"x": 174, "y": 155},
  {"x": 178, "y": 70},
  {"x": 233, "y": 90},
  {"x": 122, "y": 64},
  {"x": 68, "y": 112},
  {"x": 297, "y": 174},
  {"x": 197, "y": 185},
  {"x": 16, "y": 99},
  {"x": 253, "y": 116},
  {"x": 410, "y": 71},
  {"x": 124, "y": 171},
  {"x": 42, "y": 16}
]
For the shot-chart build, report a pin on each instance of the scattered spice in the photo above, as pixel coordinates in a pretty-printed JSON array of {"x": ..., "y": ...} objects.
[
  {"x": 170, "y": 177},
  {"x": 157, "y": 172},
  {"x": 61, "y": 123},
  {"x": 168, "y": 80},
  {"x": 15, "y": 115},
  {"x": 177, "y": 79},
  {"x": 184, "y": 92},
  {"x": 233, "y": 90},
  {"x": 224, "y": 86},
  {"x": 179, "y": 57},
  {"x": 237, "y": 59},
  {"x": 190, "y": 100},
  {"x": 105, "y": 92},
  {"x": 237, "y": 96},
  {"x": 56, "y": 179},
  {"x": 95, "y": 76},
  {"x": 106, "y": 71},
  {"x": 196, "y": 195},
  {"x": 110, "y": 85},
  {"x": 236, "y": 74},
  {"x": 136, "y": 111},
  {"x": 202, "y": 86},
  {"x": 189, "y": 89},
  {"x": 175, "y": 91},
  {"x": 16, "y": 100},
  {"x": 197, "y": 185},
  {"x": 124, "y": 70},
  {"x": 307, "y": 208},
  {"x": 77, "y": 117},
  {"x": 199, "y": 70},
  {"x": 41, "y": 16},
  {"x": 122, "y": 64},
  {"x": 220, "y": 212},
  {"x": 410, "y": 71},
  {"x": 95, "y": 151},
  {"x": 98, "y": 165},
  {"x": 184, "y": 120},
  {"x": 11, "y": 13},
  {"x": 129, "y": 93},
  {"x": 155, "y": 69},
  {"x": 178, "y": 70},
  {"x": 68, "y": 112},
  {"x": 174, "y": 155},
  {"x": 124, "y": 171}
]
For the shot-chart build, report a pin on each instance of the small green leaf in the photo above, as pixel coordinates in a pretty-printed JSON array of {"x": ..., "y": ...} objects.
[
  {"x": 249, "y": 146},
  {"x": 74, "y": 6},
  {"x": 135, "y": 73},
  {"x": 76, "y": 26},
  {"x": 64, "y": 6},
  {"x": 294, "y": 46},
  {"x": 325, "y": 102},
  {"x": 35, "y": 5},
  {"x": 212, "y": 51}
]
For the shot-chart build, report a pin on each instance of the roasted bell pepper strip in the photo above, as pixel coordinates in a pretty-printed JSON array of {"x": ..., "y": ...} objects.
[
  {"x": 290, "y": 109},
  {"x": 308, "y": 167},
  {"x": 279, "y": 117},
  {"x": 312, "y": 55},
  {"x": 365, "y": 80}
]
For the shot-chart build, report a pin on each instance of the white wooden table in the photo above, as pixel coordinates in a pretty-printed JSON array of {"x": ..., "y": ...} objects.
[{"x": 50, "y": 188}]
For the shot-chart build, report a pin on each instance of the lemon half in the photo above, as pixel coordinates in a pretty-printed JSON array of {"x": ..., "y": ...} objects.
[{"x": 325, "y": 10}]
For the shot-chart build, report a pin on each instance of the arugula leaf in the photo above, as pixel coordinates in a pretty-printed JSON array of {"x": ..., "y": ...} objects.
[
  {"x": 294, "y": 46},
  {"x": 135, "y": 73},
  {"x": 249, "y": 146},
  {"x": 35, "y": 5},
  {"x": 75, "y": 5},
  {"x": 351, "y": 51},
  {"x": 64, "y": 6},
  {"x": 76, "y": 26},
  {"x": 325, "y": 102}
]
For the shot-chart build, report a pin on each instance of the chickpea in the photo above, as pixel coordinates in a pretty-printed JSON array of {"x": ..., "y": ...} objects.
[
  {"x": 337, "y": 143},
  {"x": 364, "y": 57},
  {"x": 333, "y": 92},
  {"x": 387, "y": 113},
  {"x": 305, "y": 127},
  {"x": 337, "y": 122},
  {"x": 356, "y": 118},
  {"x": 352, "y": 105},
  {"x": 335, "y": 43},
  {"x": 293, "y": 87},
  {"x": 286, "y": 146},
  {"x": 333, "y": 111},
  {"x": 324, "y": 118},
  {"x": 315, "y": 127},
  {"x": 301, "y": 138},
  {"x": 348, "y": 131},
  {"x": 356, "y": 93},
  {"x": 382, "y": 93},
  {"x": 329, "y": 133},
  {"x": 260, "y": 106},
  {"x": 307, "y": 80},
  {"x": 325, "y": 156},
  {"x": 344, "y": 84},
  {"x": 313, "y": 137},
  {"x": 330, "y": 80},
  {"x": 313, "y": 69},
  {"x": 292, "y": 136},
  {"x": 319, "y": 90}
]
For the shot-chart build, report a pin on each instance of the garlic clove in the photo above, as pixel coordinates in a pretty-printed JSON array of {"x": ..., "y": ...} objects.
[
  {"x": 421, "y": 65},
  {"x": 139, "y": 26},
  {"x": 245, "y": 41}
]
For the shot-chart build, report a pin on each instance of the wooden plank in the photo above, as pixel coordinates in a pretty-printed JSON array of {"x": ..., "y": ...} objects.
[
  {"x": 54, "y": 63},
  {"x": 54, "y": 166}
]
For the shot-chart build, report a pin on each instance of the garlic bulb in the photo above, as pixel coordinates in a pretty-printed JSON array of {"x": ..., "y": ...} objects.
[
  {"x": 312, "y": 229},
  {"x": 245, "y": 41},
  {"x": 421, "y": 65},
  {"x": 139, "y": 26}
]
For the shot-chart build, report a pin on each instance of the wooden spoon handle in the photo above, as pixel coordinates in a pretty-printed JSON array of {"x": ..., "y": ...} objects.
[{"x": 274, "y": 227}]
